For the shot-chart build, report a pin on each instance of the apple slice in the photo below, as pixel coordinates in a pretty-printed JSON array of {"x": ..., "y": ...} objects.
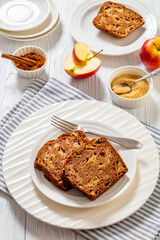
[
  {"x": 79, "y": 71},
  {"x": 81, "y": 53}
]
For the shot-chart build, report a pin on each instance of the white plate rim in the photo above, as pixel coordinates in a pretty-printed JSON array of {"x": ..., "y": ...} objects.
[
  {"x": 34, "y": 38},
  {"x": 130, "y": 3},
  {"x": 31, "y": 25},
  {"x": 83, "y": 202},
  {"x": 37, "y": 34},
  {"x": 56, "y": 214}
]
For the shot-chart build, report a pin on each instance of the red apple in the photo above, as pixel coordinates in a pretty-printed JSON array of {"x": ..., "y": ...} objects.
[
  {"x": 150, "y": 53},
  {"x": 79, "y": 71},
  {"x": 81, "y": 53}
]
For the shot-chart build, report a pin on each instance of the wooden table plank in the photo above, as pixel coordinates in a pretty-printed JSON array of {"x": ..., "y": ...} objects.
[{"x": 12, "y": 219}]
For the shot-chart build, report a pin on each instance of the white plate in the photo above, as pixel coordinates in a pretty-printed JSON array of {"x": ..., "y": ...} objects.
[
  {"x": 19, "y": 15},
  {"x": 83, "y": 30},
  {"x": 72, "y": 197},
  {"x": 43, "y": 28},
  {"x": 34, "y": 38},
  {"x": 19, "y": 182}
]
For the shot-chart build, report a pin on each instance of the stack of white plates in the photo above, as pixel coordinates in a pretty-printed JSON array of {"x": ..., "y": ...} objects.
[
  {"x": 26, "y": 20},
  {"x": 70, "y": 209}
]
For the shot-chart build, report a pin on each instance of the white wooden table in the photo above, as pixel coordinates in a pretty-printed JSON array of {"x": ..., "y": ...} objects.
[{"x": 14, "y": 222}]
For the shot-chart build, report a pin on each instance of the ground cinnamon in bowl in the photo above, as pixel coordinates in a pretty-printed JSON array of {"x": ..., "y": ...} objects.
[{"x": 40, "y": 61}]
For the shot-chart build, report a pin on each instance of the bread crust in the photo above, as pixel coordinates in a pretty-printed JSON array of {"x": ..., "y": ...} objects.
[
  {"x": 51, "y": 157},
  {"x": 94, "y": 168},
  {"x": 118, "y": 20}
]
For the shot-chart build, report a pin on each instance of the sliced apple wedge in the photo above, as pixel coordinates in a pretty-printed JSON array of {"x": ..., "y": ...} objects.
[
  {"x": 81, "y": 53},
  {"x": 79, "y": 71}
]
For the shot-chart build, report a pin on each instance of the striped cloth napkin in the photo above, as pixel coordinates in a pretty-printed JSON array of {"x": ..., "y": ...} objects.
[{"x": 145, "y": 223}]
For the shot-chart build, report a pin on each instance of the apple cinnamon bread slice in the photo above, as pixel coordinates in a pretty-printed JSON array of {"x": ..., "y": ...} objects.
[
  {"x": 53, "y": 154},
  {"x": 117, "y": 19},
  {"x": 94, "y": 168}
]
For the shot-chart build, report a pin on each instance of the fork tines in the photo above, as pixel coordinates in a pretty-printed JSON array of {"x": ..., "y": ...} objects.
[{"x": 63, "y": 124}]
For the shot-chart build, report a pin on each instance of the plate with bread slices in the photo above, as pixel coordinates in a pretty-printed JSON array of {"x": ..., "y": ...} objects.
[
  {"x": 124, "y": 198},
  {"x": 118, "y": 27},
  {"x": 79, "y": 170}
]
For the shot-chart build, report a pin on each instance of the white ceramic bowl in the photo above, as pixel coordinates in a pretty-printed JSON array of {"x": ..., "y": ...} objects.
[
  {"x": 25, "y": 50},
  {"x": 126, "y": 102}
]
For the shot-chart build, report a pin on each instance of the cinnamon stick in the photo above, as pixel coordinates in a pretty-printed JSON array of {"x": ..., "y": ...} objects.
[{"x": 22, "y": 60}]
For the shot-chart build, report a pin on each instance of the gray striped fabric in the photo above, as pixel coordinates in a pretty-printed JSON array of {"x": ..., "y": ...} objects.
[{"x": 145, "y": 223}]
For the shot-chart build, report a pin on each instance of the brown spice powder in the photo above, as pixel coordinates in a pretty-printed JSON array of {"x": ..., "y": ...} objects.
[
  {"x": 139, "y": 89},
  {"x": 40, "y": 62}
]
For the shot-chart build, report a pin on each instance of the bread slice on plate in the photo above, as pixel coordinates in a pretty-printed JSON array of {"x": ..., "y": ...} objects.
[
  {"x": 53, "y": 154},
  {"x": 94, "y": 168},
  {"x": 117, "y": 19}
]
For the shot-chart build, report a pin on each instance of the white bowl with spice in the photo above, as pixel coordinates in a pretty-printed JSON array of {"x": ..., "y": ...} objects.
[
  {"x": 140, "y": 90},
  {"x": 34, "y": 53}
]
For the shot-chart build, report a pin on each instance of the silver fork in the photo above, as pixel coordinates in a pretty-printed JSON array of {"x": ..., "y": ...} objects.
[{"x": 67, "y": 126}]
